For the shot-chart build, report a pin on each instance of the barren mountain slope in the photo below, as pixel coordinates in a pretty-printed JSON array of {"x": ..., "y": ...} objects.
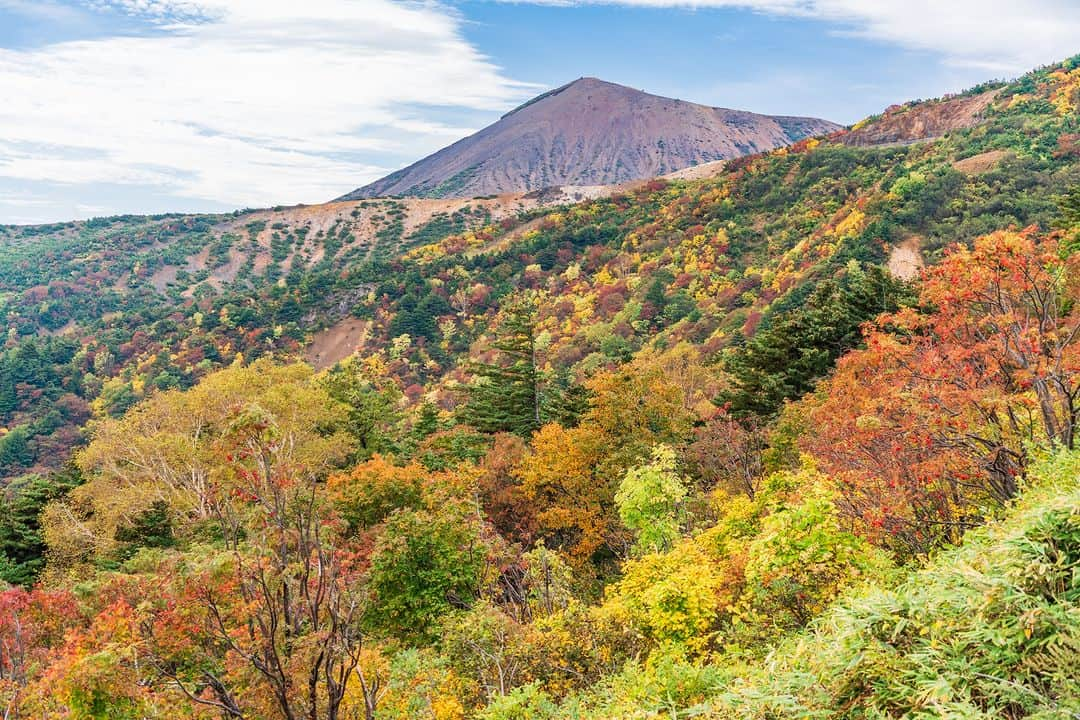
[
  {"x": 590, "y": 132},
  {"x": 914, "y": 122}
]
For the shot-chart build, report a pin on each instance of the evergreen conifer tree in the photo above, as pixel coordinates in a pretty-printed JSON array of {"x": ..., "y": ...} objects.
[{"x": 508, "y": 394}]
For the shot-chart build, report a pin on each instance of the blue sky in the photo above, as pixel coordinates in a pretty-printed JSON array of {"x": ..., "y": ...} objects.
[{"x": 143, "y": 106}]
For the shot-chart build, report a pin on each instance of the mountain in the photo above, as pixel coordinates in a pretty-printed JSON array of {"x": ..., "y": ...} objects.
[
  {"x": 590, "y": 132},
  {"x": 105, "y": 311},
  {"x": 791, "y": 435}
]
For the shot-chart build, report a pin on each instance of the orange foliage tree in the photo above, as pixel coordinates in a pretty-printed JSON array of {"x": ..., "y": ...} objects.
[
  {"x": 32, "y": 629},
  {"x": 558, "y": 478},
  {"x": 272, "y": 626},
  {"x": 571, "y": 475},
  {"x": 929, "y": 425},
  {"x": 368, "y": 493}
]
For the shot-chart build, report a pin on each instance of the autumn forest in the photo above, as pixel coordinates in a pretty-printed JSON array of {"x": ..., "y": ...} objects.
[{"x": 793, "y": 438}]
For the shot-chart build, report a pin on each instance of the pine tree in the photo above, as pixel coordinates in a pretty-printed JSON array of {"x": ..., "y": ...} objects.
[
  {"x": 22, "y": 548},
  {"x": 795, "y": 348},
  {"x": 427, "y": 421},
  {"x": 9, "y": 400},
  {"x": 1070, "y": 207},
  {"x": 507, "y": 396}
]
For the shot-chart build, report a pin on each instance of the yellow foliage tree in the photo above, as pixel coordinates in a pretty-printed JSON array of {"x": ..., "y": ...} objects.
[
  {"x": 168, "y": 452},
  {"x": 670, "y": 598}
]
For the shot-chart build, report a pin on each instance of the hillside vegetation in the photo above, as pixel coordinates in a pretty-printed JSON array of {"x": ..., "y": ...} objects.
[{"x": 686, "y": 449}]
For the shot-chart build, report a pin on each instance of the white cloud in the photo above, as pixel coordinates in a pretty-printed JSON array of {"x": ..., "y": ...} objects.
[
  {"x": 1003, "y": 36},
  {"x": 998, "y": 36},
  {"x": 259, "y": 102},
  {"x": 246, "y": 102}
]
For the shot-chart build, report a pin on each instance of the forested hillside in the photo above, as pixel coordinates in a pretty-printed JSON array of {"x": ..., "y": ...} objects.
[
  {"x": 797, "y": 439},
  {"x": 104, "y": 311}
]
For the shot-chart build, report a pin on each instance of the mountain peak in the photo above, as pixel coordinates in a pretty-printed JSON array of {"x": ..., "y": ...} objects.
[
  {"x": 588, "y": 83},
  {"x": 572, "y": 88},
  {"x": 590, "y": 132},
  {"x": 590, "y": 80}
]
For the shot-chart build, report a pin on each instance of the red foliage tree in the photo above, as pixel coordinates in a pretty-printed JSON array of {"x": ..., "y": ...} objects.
[{"x": 928, "y": 426}]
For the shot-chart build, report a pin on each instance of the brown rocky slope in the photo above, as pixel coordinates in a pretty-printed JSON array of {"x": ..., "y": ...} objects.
[{"x": 590, "y": 132}]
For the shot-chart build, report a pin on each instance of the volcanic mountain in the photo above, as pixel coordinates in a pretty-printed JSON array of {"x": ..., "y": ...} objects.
[{"x": 590, "y": 132}]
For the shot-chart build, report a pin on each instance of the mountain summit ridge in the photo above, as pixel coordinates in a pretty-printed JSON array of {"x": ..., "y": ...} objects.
[{"x": 590, "y": 132}]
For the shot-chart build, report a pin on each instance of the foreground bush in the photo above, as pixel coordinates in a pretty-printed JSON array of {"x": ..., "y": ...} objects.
[{"x": 990, "y": 629}]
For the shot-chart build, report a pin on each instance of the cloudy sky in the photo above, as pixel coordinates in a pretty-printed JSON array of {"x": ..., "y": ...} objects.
[{"x": 137, "y": 106}]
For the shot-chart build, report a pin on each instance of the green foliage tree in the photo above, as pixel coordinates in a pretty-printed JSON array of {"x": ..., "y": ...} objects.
[
  {"x": 799, "y": 346},
  {"x": 1070, "y": 207},
  {"x": 801, "y": 560},
  {"x": 507, "y": 396},
  {"x": 15, "y": 450},
  {"x": 425, "y": 563},
  {"x": 427, "y": 422},
  {"x": 528, "y": 702},
  {"x": 650, "y": 501},
  {"x": 372, "y": 399},
  {"x": 22, "y": 548}
]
